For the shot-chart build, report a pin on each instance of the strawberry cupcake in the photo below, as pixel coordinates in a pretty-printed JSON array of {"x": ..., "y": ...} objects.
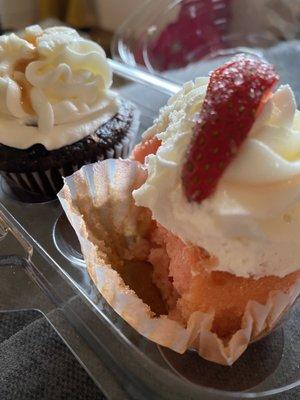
[{"x": 209, "y": 204}]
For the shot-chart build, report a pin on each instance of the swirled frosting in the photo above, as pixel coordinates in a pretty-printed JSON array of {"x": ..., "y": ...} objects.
[
  {"x": 252, "y": 221},
  {"x": 54, "y": 88}
]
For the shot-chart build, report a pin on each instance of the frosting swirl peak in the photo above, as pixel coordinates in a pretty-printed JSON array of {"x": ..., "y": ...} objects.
[
  {"x": 252, "y": 221},
  {"x": 50, "y": 78}
]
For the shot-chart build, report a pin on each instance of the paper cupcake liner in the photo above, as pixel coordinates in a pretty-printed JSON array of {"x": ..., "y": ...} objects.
[
  {"x": 105, "y": 188},
  {"x": 45, "y": 184}
]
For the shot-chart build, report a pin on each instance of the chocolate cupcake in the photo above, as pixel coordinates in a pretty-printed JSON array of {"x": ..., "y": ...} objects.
[{"x": 57, "y": 111}]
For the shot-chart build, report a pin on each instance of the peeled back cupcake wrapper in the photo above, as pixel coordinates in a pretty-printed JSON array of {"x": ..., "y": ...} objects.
[{"x": 98, "y": 202}]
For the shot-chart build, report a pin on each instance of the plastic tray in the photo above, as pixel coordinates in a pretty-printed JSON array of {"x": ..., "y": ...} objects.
[{"x": 41, "y": 268}]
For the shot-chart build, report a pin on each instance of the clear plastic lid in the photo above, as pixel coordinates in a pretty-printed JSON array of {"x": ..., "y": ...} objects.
[
  {"x": 46, "y": 272},
  {"x": 183, "y": 39}
]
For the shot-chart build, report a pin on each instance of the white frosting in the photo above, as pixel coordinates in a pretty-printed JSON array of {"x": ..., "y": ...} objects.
[
  {"x": 56, "y": 80},
  {"x": 252, "y": 221}
]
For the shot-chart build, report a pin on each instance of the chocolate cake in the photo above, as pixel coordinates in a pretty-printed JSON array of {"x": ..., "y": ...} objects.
[
  {"x": 57, "y": 110},
  {"x": 40, "y": 170}
]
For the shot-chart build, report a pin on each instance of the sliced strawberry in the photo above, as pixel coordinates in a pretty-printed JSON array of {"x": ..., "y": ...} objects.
[
  {"x": 235, "y": 95},
  {"x": 145, "y": 148}
]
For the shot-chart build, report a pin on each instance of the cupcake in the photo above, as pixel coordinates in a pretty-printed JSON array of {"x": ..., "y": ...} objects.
[
  {"x": 57, "y": 111},
  {"x": 209, "y": 204}
]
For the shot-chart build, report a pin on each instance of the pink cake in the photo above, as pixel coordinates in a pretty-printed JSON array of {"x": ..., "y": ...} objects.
[
  {"x": 226, "y": 294},
  {"x": 194, "y": 241}
]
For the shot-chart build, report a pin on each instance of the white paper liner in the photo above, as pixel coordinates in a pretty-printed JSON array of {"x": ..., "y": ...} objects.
[{"x": 111, "y": 182}]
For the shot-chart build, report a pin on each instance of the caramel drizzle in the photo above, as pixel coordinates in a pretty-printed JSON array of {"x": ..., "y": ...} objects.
[
  {"x": 25, "y": 86},
  {"x": 20, "y": 67}
]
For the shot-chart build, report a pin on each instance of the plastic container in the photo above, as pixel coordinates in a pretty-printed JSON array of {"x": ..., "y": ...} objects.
[
  {"x": 183, "y": 39},
  {"x": 41, "y": 268}
]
